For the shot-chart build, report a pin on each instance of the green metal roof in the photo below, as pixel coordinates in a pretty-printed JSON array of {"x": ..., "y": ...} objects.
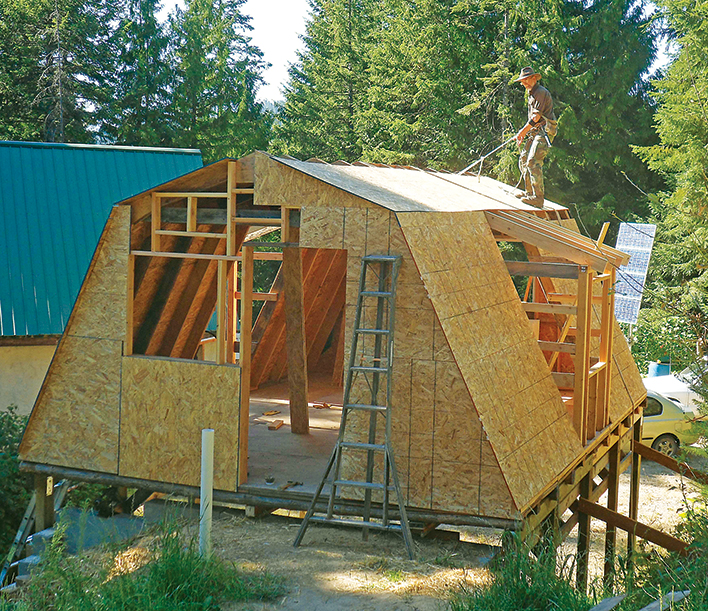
[{"x": 54, "y": 202}]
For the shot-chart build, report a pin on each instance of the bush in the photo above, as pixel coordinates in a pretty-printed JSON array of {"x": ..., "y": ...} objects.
[
  {"x": 15, "y": 487},
  {"x": 173, "y": 577},
  {"x": 522, "y": 581}
]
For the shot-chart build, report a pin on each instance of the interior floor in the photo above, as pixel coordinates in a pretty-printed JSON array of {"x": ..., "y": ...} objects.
[{"x": 280, "y": 460}]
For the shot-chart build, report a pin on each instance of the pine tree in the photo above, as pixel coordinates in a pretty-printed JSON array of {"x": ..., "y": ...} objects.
[
  {"x": 135, "y": 113},
  {"x": 679, "y": 279},
  {"x": 218, "y": 71},
  {"x": 329, "y": 84}
]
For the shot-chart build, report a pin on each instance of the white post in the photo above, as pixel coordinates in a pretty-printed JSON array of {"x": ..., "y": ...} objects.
[{"x": 207, "y": 492}]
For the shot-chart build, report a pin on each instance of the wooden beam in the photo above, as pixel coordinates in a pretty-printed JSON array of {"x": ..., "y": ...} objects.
[
  {"x": 44, "y": 501},
  {"x": 130, "y": 300},
  {"x": 549, "y": 308},
  {"x": 556, "y": 347},
  {"x": 191, "y": 214},
  {"x": 631, "y": 526},
  {"x": 543, "y": 270},
  {"x": 191, "y": 234},
  {"x": 634, "y": 487},
  {"x": 221, "y": 322},
  {"x": 257, "y": 256},
  {"x": 156, "y": 220},
  {"x": 581, "y": 577},
  {"x": 612, "y": 499},
  {"x": 259, "y": 296},
  {"x": 295, "y": 340},
  {"x": 185, "y": 194},
  {"x": 230, "y": 208},
  {"x": 246, "y": 324},
  {"x": 670, "y": 463}
]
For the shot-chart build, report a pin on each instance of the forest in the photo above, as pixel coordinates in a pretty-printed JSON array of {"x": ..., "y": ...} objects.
[{"x": 426, "y": 83}]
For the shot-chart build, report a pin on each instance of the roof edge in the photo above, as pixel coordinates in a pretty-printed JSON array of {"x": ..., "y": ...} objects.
[{"x": 107, "y": 147}]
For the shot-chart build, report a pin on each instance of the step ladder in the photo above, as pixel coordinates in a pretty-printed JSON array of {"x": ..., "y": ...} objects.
[{"x": 375, "y": 370}]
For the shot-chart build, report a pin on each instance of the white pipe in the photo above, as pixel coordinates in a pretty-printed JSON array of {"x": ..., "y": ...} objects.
[{"x": 207, "y": 492}]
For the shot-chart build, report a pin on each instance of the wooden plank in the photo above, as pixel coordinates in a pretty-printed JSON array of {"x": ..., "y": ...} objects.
[
  {"x": 556, "y": 347},
  {"x": 670, "y": 463},
  {"x": 264, "y": 222},
  {"x": 295, "y": 340},
  {"x": 549, "y": 308},
  {"x": 260, "y": 296},
  {"x": 569, "y": 298},
  {"x": 257, "y": 256},
  {"x": 245, "y": 351},
  {"x": 243, "y": 191},
  {"x": 581, "y": 576},
  {"x": 631, "y": 526},
  {"x": 191, "y": 214},
  {"x": 275, "y": 425},
  {"x": 540, "y": 269},
  {"x": 285, "y": 224},
  {"x": 230, "y": 207},
  {"x": 190, "y": 234}
]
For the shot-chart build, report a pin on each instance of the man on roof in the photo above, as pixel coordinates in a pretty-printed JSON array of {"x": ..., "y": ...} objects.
[{"x": 538, "y": 133}]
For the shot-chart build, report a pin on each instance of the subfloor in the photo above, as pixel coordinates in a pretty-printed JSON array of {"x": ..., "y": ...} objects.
[{"x": 281, "y": 460}]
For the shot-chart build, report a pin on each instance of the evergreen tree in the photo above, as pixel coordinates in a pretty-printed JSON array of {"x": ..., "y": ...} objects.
[
  {"x": 136, "y": 111},
  {"x": 329, "y": 84},
  {"x": 679, "y": 279},
  {"x": 218, "y": 71}
]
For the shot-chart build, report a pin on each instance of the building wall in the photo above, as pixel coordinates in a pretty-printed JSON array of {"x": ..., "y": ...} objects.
[{"x": 22, "y": 370}]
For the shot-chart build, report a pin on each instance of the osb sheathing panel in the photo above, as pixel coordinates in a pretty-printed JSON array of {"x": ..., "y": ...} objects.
[
  {"x": 440, "y": 450},
  {"x": 279, "y": 185},
  {"x": 100, "y": 308},
  {"x": 164, "y": 406},
  {"x": 75, "y": 420},
  {"x": 496, "y": 353}
]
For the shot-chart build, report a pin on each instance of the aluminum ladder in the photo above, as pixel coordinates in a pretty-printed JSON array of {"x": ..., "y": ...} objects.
[{"x": 373, "y": 369}]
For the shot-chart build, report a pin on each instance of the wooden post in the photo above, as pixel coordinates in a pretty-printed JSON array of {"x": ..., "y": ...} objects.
[
  {"x": 582, "y": 352},
  {"x": 295, "y": 338},
  {"x": 191, "y": 213},
  {"x": 44, "y": 499},
  {"x": 608, "y": 332},
  {"x": 230, "y": 209},
  {"x": 581, "y": 578},
  {"x": 634, "y": 487},
  {"x": 244, "y": 351},
  {"x": 611, "y": 531}
]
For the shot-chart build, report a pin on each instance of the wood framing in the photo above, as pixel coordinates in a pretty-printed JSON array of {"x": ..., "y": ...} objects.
[{"x": 504, "y": 410}]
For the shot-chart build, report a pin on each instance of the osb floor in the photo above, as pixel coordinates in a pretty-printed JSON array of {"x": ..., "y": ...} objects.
[{"x": 278, "y": 457}]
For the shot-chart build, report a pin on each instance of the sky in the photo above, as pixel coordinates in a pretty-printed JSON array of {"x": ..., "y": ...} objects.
[{"x": 277, "y": 27}]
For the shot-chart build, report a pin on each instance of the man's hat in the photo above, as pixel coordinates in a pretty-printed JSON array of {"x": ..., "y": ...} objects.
[{"x": 525, "y": 73}]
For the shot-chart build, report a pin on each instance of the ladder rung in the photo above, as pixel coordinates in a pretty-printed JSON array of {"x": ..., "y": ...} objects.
[
  {"x": 372, "y": 331},
  {"x": 370, "y": 369},
  {"x": 365, "y": 485},
  {"x": 364, "y": 406},
  {"x": 380, "y": 258},
  {"x": 377, "y": 293},
  {"x": 355, "y": 445},
  {"x": 358, "y": 523}
]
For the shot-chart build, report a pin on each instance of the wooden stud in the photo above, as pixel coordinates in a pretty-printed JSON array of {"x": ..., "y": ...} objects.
[
  {"x": 549, "y": 308},
  {"x": 156, "y": 222},
  {"x": 190, "y": 234},
  {"x": 183, "y": 194},
  {"x": 285, "y": 224},
  {"x": 191, "y": 214},
  {"x": 582, "y": 353},
  {"x": 612, "y": 498},
  {"x": 295, "y": 340},
  {"x": 244, "y": 351},
  {"x": 221, "y": 322}
]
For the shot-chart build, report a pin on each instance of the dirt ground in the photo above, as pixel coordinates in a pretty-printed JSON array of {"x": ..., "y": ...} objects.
[{"x": 337, "y": 571}]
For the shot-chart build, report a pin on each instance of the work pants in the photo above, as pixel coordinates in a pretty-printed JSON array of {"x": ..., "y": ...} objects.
[{"x": 533, "y": 152}]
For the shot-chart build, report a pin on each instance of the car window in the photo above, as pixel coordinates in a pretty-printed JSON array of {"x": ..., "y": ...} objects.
[{"x": 653, "y": 408}]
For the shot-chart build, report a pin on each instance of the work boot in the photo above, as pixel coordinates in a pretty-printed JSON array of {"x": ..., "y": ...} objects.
[
  {"x": 532, "y": 200},
  {"x": 520, "y": 194}
]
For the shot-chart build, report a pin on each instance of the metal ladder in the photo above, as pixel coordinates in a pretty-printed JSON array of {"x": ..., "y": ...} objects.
[{"x": 385, "y": 267}]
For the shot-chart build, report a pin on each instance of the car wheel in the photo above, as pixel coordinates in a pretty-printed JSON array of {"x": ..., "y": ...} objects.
[{"x": 666, "y": 444}]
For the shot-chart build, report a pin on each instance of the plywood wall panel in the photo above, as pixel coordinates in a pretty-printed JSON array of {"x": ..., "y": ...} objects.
[
  {"x": 493, "y": 345},
  {"x": 165, "y": 405},
  {"x": 100, "y": 308},
  {"x": 75, "y": 420}
]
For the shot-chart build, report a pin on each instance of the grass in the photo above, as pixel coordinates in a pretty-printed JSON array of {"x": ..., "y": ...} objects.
[{"x": 168, "y": 576}]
